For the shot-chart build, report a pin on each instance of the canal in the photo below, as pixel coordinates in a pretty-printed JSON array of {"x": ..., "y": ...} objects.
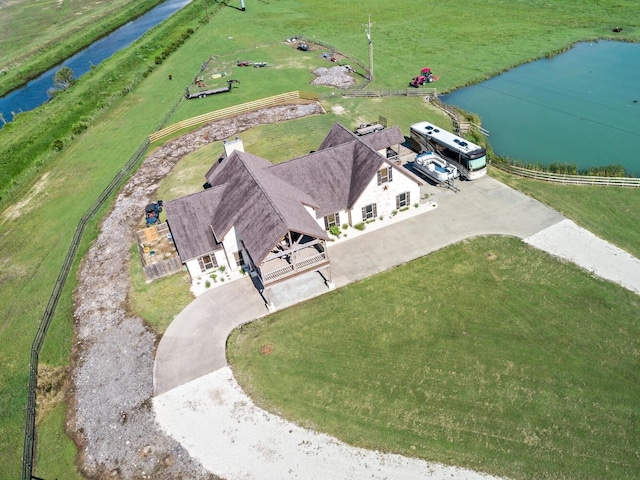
[
  {"x": 34, "y": 93},
  {"x": 580, "y": 107}
]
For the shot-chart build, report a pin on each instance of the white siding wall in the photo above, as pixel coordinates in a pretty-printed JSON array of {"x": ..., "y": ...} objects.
[
  {"x": 232, "y": 245},
  {"x": 194, "y": 268},
  {"x": 385, "y": 200},
  {"x": 343, "y": 217}
]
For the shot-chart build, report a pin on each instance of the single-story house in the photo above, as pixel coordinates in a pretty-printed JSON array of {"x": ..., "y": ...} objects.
[{"x": 273, "y": 220}]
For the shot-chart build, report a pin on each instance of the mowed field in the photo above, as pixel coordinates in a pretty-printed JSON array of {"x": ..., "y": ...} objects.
[
  {"x": 487, "y": 354},
  {"x": 38, "y": 224}
]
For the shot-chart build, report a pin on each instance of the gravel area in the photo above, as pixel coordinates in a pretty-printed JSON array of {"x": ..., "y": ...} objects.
[
  {"x": 110, "y": 417},
  {"x": 212, "y": 414},
  {"x": 571, "y": 242},
  {"x": 335, "y": 76}
]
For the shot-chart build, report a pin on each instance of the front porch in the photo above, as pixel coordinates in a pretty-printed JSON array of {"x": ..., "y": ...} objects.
[{"x": 293, "y": 255}]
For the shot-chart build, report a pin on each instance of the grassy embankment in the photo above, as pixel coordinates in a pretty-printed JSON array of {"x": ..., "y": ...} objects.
[
  {"x": 35, "y": 36},
  {"x": 55, "y": 189},
  {"x": 37, "y": 230}
]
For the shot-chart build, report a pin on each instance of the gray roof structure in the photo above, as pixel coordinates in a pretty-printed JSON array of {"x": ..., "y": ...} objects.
[
  {"x": 264, "y": 201},
  {"x": 189, "y": 220}
]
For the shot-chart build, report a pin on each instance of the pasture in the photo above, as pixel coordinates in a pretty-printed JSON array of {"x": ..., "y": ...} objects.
[{"x": 44, "y": 198}]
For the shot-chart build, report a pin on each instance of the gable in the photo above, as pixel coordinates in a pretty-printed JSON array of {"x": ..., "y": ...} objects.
[
  {"x": 261, "y": 206},
  {"x": 189, "y": 219},
  {"x": 264, "y": 201}
]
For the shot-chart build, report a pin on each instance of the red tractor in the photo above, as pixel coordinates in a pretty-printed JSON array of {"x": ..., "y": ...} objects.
[{"x": 426, "y": 76}]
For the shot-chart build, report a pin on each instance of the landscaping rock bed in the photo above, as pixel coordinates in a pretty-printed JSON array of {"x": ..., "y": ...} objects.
[{"x": 110, "y": 415}]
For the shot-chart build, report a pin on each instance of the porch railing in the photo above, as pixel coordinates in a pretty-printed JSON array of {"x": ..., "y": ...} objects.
[{"x": 294, "y": 268}]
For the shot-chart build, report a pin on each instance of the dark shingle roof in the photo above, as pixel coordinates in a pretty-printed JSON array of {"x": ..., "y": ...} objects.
[
  {"x": 189, "y": 219},
  {"x": 261, "y": 206},
  {"x": 383, "y": 138},
  {"x": 264, "y": 201}
]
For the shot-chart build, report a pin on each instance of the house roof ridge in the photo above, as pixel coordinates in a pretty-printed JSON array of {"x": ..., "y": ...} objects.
[{"x": 263, "y": 190}]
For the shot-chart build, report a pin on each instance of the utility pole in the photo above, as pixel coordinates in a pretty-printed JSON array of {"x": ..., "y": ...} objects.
[{"x": 368, "y": 31}]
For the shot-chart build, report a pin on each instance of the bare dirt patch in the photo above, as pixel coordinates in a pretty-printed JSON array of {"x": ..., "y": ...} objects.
[
  {"x": 25, "y": 205},
  {"x": 51, "y": 388},
  {"x": 110, "y": 417}
]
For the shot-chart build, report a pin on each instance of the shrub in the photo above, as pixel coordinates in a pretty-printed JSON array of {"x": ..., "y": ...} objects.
[
  {"x": 564, "y": 168},
  {"x": 207, "y": 284},
  {"x": 57, "y": 145},
  {"x": 345, "y": 226},
  {"x": 79, "y": 127},
  {"x": 334, "y": 230},
  {"x": 359, "y": 226},
  {"x": 394, "y": 213},
  {"x": 222, "y": 268},
  {"x": 607, "y": 171},
  {"x": 416, "y": 205}
]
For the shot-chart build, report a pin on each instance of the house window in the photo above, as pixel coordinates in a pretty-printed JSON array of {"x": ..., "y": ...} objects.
[
  {"x": 402, "y": 200},
  {"x": 331, "y": 220},
  {"x": 369, "y": 211},
  {"x": 384, "y": 175},
  {"x": 239, "y": 259},
  {"x": 207, "y": 262}
]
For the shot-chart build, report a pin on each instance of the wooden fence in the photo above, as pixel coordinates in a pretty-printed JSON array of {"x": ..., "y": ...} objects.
[
  {"x": 161, "y": 269},
  {"x": 282, "y": 99},
  {"x": 568, "y": 179},
  {"x": 156, "y": 266},
  {"x": 413, "y": 92}
]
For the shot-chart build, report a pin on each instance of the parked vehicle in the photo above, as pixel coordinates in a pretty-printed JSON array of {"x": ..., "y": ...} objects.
[
  {"x": 204, "y": 93},
  {"x": 152, "y": 213},
  {"x": 470, "y": 159},
  {"x": 435, "y": 167},
  {"x": 367, "y": 128},
  {"x": 426, "y": 76}
]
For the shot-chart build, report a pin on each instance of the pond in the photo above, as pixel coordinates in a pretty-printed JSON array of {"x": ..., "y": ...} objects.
[
  {"x": 34, "y": 93},
  {"x": 581, "y": 107}
]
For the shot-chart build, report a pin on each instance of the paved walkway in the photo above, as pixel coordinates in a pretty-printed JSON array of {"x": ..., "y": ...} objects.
[{"x": 198, "y": 402}]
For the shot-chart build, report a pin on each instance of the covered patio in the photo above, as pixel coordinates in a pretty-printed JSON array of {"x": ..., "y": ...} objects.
[{"x": 294, "y": 254}]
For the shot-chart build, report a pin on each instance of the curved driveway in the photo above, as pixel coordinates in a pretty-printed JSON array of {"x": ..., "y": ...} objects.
[
  {"x": 194, "y": 343},
  {"x": 198, "y": 402}
]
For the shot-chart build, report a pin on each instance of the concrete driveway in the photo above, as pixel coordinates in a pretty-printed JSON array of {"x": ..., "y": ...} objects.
[
  {"x": 199, "y": 403},
  {"x": 194, "y": 344}
]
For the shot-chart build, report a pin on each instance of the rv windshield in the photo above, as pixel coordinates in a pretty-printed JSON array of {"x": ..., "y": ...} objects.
[{"x": 478, "y": 163}]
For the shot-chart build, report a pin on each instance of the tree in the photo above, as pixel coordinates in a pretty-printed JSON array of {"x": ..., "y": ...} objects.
[{"x": 62, "y": 80}]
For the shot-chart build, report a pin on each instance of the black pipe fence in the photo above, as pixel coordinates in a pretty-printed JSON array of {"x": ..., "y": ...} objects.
[{"x": 28, "y": 452}]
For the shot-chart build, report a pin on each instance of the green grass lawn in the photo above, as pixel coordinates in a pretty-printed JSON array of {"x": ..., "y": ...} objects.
[
  {"x": 488, "y": 354},
  {"x": 47, "y": 197},
  {"x": 159, "y": 305}
]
